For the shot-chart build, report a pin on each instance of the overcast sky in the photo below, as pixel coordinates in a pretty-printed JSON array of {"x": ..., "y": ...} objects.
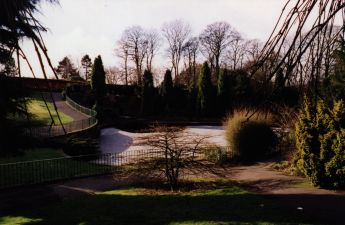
[{"x": 78, "y": 27}]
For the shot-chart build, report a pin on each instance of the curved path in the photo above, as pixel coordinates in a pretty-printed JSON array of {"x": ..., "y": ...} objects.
[{"x": 68, "y": 110}]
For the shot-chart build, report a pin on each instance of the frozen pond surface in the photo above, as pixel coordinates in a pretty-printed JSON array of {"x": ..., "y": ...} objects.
[{"x": 113, "y": 140}]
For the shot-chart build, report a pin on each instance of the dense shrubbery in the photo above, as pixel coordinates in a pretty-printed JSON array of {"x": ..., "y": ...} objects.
[
  {"x": 251, "y": 139},
  {"x": 320, "y": 141}
]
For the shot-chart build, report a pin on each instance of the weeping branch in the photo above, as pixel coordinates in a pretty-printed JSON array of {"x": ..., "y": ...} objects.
[
  {"x": 49, "y": 87},
  {"x": 308, "y": 29},
  {"x": 22, "y": 54}
]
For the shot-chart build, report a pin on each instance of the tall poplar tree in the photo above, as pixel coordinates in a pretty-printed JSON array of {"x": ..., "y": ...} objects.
[
  {"x": 98, "y": 85},
  {"x": 204, "y": 90}
]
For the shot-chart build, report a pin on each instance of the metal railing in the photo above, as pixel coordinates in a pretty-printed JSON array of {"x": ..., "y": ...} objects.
[
  {"x": 48, "y": 170},
  {"x": 80, "y": 108},
  {"x": 60, "y": 130}
]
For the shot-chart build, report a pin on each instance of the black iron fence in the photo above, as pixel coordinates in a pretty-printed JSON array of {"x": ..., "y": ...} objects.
[{"x": 40, "y": 171}]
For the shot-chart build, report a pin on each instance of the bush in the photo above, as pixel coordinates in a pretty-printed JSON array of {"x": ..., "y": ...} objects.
[
  {"x": 320, "y": 138},
  {"x": 81, "y": 146},
  {"x": 251, "y": 139},
  {"x": 216, "y": 154}
]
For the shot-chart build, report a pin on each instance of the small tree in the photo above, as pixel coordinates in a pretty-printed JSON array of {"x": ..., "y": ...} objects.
[
  {"x": 320, "y": 143},
  {"x": 204, "y": 90},
  {"x": 86, "y": 63},
  {"x": 98, "y": 85},
  {"x": 174, "y": 150},
  {"x": 66, "y": 69}
]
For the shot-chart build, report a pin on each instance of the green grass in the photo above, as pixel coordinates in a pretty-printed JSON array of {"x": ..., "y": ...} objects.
[
  {"x": 227, "y": 204},
  {"x": 25, "y": 169},
  {"x": 39, "y": 114}
]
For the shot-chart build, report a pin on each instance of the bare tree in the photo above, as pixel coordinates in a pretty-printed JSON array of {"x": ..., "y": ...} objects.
[
  {"x": 134, "y": 40},
  {"x": 174, "y": 150},
  {"x": 176, "y": 33},
  {"x": 190, "y": 51},
  {"x": 235, "y": 54},
  {"x": 153, "y": 43},
  {"x": 113, "y": 75},
  {"x": 122, "y": 51},
  {"x": 214, "y": 40},
  {"x": 253, "y": 48}
]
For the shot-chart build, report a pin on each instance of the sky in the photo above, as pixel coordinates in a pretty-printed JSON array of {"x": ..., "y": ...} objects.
[{"x": 79, "y": 27}]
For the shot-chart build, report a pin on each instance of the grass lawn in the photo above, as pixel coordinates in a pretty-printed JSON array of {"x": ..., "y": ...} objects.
[
  {"x": 222, "y": 204},
  {"x": 39, "y": 112},
  {"x": 25, "y": 169},
  {"x": 41, "y": 115}
]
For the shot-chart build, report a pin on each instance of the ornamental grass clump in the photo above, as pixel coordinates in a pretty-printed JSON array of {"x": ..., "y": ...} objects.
[{"x": 250, "y": 139}]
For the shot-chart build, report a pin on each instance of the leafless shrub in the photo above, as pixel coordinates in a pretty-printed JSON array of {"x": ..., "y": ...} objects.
[{"x": 174, "y": 151}]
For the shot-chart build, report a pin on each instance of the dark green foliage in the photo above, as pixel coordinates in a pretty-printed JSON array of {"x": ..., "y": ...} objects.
[
  {"x": 17, "y": 22},
  {"x": 98, "y": 85},
  {"x": 166, "y": 90},
  {"x": 225, "y": 90},
  {"x": 66, "y": 69},
  {"x": 320, "y": 143},
  {"x": 98, "y": 78},
  {"x": 333, "y": 86},
  {"x": 148, "y": 96},
  {"x": 240, "y": 87},
  {"x": 204, "y": 90},
  {"x": 255, "y": 141},
  {"x": 233, "y": 89},
  {"x": 9, "y": 68},
  {"x": 12, "y": 102}
]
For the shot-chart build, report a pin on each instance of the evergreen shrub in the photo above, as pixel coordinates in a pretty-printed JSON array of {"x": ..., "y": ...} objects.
[{"x": 320, "y": 143}]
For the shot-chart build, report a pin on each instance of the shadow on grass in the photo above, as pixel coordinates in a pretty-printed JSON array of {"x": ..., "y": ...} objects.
[{"x": 223, "y": 205}]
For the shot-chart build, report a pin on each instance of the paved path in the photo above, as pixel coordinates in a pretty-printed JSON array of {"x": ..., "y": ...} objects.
[
  {"x": 327, "y": 207},
  {"x": 68, "y": 110}
]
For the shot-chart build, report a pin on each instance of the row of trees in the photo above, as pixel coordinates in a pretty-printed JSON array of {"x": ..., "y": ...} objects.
[
  {"x": 234, "y": 89},
  {"x": 219, "y": 43}
]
